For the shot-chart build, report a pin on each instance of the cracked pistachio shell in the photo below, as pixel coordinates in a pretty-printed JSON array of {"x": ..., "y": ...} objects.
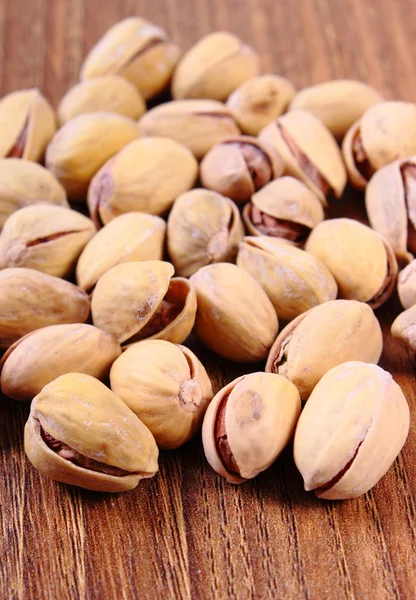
[
  {"x": 30, "y": 300},
  {"x": 309, "y": 152},
  {"x": 214, "y": 67},
  {"x": 146, "y": 176},
  {"x": 80, "y": 432},
  {"x": 137, "y": 50},
  {"x": 44, "y": 237},
  {"x": 129, "y": 237},
  {"x": 360, "y": 259},
  {"x": 197, "y": 124},
  {"x": 323, "y": 337},
  {"x": 203, "y": 228},
  {"x": 43, "y": 355},
  {"x": 74, "y": 156},
  {"x": 406, "y": 285},
  {"x": 166, "y": 386},
  {"x": 385, "y": 132},
  {"x": 248, "y": 424},
  {"x": 351, "y": 430},
  {"x": 338, "y": 103},
  {"x": 27, "y": 124},
  {"x": 293, "y": 279},
  {"x": 235, "y": 318},
  {"x": 260, "y": 100},
  {"x": 404, "y": 327}
]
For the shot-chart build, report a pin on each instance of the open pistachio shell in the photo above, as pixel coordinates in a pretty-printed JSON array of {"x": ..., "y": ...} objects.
[
  {"x": 406, "y": 285},
  {"x": 404, "y": 327}
]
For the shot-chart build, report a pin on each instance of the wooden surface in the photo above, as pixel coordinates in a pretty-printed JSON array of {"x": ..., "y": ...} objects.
[{"x": 186, "y": 533}]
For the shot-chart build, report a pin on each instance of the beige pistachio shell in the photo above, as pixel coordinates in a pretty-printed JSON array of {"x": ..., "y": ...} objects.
[
  {"x": 203, "y": 228},
  {"x": 80, "y": 432},
  {"x": 338, "y": 103},
  {"x": 260, "y": 100},
  {"x": 137, "y": 50},
  {"x": 166, "y": 386},
  {"x": 129, "y": 237},
  {"x": 325, "y": 336},
  {"x": 43, "y": 355},
  {"x": 350, "y": 431},
  {"x": 360, "y": 259},
  {"x": 146, "y": 176},
  {"x": 406, "y": 285},
  {"x": 235, "y": 318},
  {"x": 248, "y": 424},
  {"x": 27, "y": 124},
  {"x": 214, "y": 67},
  {"x": 404, "y": 327}
]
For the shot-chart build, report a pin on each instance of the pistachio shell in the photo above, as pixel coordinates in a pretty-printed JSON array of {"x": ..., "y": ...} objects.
[
  {"x": 404, "y": 327},
  {"x": 406, "y": 285}
]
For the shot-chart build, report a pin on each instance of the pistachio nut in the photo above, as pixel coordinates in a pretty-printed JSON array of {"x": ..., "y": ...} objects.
[
  {"x": 284, "y": 208},
  {"x": 351, "y": 430},
  {"x": 406, "y": 285},
  {"x": 321, "y": 338},
  {"x": 44, "y": 237},
  {"x": 309, "y": 152},
  {"x": 214, "y": 67},
  {"x": 138, "y": 300},
  {"x": 146, "y": 176},
  {"x": 74, "y": 156},
  {"x": 235, "y": 318},
  {"x": 385, "y": 132},
  {"x": 109, "y": 93},
  {"x": 203, "y": 228},
  {"x": 361, "y": 260},
  {"x": 293, "y": 279},
  {"x": 30, "y": 300},
  {"x": 23, "y": 183},
  {"x": 80, "y": 432},
  {"x": 166, "y": 386},
  {"x": 248, "y": 424},
  {"x": 239, "y": 166},
  {"x": 129, "y": 237},
  {"x": 338, "y": 103},
  {"x": 43, "y": 355},
  {"x": 138, "y": 51},
  {"x": 197, "y": 124},
  {"x": 404, "y": 327},
  {"x": 27, "y": 124},
  {"x": 260, "y": 100}
]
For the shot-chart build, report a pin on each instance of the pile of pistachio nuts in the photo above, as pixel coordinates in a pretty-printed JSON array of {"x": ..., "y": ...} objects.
[{"x": 123, "y": 230}]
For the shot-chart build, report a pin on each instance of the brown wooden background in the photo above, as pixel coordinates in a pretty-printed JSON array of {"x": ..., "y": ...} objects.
[{"x": 187, "y": 533}]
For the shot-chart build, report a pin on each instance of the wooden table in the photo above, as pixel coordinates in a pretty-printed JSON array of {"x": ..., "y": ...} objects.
[{"x": 186, "y": 533}]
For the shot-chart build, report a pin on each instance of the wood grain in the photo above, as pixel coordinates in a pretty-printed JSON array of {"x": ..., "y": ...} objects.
[{"x": 187, "y": 534}]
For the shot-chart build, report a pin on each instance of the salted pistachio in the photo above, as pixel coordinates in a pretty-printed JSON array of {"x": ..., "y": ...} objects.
[
  {"x": 109, "y": 93},
  {"x": 293, "y": 279},
  {"x": 132, "y": 236},
  {"x": 284, "y": 208},
  {"x": 197, "y": 124},
  {"x": 214, "y": 67},
  {"x": 404, "y": 327},
  {"x": 44, "y": 237},
  {"x": 361, "y": 260},
  {"x": 30, "y": 300},
  {"x": 239, "y": 166},
  {"x": 23, "y": 183},
  {"x": 203, "y": 228},
  {"x": 338, "y": 103},
  {"x": 260, "y": 100},
  {"x": 27, "y": 124},
  {"x": 146, "y": 176},
  {"x": 248, "y": 424},
  {"x": 80, "y": 432},
  {"x": 137, "y": 50},
  {"x": 139, "y": 300},
  {"x": 43, "y": 355},
  {"x": 321, "y": 338},
  {"x": 385, "y": 132},
  {"x": 351, "y": 430},
  {"x": 166, "y": 386},
  {"x": 309, "y": 152},
  {"x": 406, "y": 285},
  {"x": 82, "y": 146},
  {"x": 235, "y": 318}
]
